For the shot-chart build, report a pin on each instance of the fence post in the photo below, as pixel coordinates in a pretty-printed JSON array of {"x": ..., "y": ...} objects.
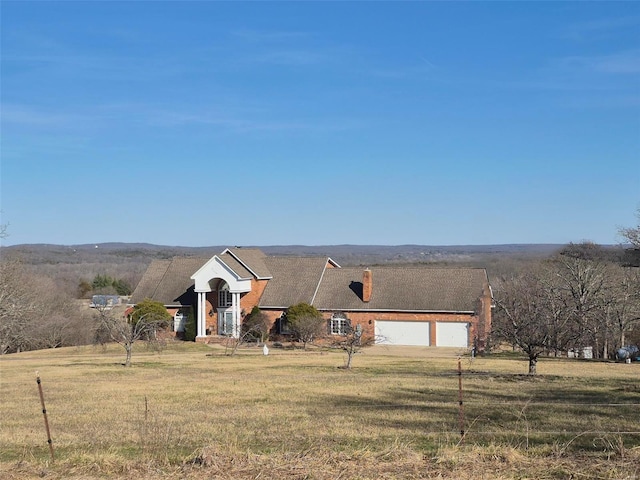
[
  {"x": 461, "y": 406},
  {"x": 44, "y": 412}
]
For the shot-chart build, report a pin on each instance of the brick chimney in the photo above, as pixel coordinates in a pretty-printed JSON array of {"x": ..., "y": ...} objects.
[{"x": 367, "y": 285}]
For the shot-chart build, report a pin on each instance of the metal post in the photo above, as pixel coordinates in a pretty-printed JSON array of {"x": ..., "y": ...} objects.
[
  {"x": 44, "y": 412},
  {"x": 461, "y": 407}
]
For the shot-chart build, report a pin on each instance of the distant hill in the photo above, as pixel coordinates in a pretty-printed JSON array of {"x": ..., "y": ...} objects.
[
  {"x": 71, "y": 264},
  {"x": 119, "y": 253}
]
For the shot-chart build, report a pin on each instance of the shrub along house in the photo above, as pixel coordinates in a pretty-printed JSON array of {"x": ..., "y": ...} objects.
[{"x": 400, "y": 305}]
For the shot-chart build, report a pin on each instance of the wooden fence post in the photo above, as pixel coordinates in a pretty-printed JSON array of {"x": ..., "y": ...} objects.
[
  {"x": 460, "y": 404},
  {"x": 44, "y": 412}
]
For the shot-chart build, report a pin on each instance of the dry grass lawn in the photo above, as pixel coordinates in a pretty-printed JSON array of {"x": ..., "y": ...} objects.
[{"x": 192, "y": 412}]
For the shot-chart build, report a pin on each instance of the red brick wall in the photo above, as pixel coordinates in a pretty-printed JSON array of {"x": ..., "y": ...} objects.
[
  {"x": 367, "y": 285},
  {"x": 252, "y": 298},
  {"x": 211, "y": 321},
  {"x": 367, "y": 321},
  {"x": 484, "y": 314}
]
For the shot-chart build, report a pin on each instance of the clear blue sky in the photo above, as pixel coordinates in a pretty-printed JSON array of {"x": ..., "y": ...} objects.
[{"x": 265, "y": 123}]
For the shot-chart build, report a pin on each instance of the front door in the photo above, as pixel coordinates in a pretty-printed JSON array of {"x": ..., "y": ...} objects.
[{"x": 225, "y": 322}]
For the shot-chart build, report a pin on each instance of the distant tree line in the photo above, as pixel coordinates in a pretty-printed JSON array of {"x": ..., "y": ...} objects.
[
  {"x": 103, "y": 285},
  {"x": 35, "y": 313},
  {"x": 584, "y": 296}
]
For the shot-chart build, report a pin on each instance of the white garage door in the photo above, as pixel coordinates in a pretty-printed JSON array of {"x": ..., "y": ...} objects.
[
  {"x": 452, "y": 334},
  {"x": 390, "y": 332}
]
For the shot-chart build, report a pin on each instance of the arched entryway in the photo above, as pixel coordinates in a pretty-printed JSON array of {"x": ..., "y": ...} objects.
[{"x": 215, "y": 275}]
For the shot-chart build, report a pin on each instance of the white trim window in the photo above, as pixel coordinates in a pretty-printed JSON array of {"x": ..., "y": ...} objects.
[
  {"x": 180, "y": 320},
  {"x": 225, "y": 298},
  {"x": 225, "y": 323},
  {"x": 338, "y": 324}
]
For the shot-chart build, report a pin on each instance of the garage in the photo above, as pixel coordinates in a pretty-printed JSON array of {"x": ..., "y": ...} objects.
[
  {"x": 391, "y": 332},
  {"x": 450, "y": 334}
]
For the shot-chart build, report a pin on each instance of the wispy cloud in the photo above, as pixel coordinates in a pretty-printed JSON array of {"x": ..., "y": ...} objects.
[
  {"x": 596, "y": 29},
  {"x": 27, "y": 116},
  {"x": 615, "y": 74},
  {"x": 39, "y": 55},
  {"x": 269, "y": 36},
  {"x": 627, "y": 62},
  {"x": 419, "y": 69},
  {"x": 266, "y": 121},
  {"x": 103, "y": 67},
  {"x": 611, "y": 101},
  {"x": 225, "y": 117},
  {"x": 284, "y": 48},
  {"x": 293, "y": 58}
]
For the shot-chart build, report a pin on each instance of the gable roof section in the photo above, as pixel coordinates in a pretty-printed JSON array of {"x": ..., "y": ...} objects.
[
  {"x": 295, "y": 280},
  {"x": 168, "y": 281},
  {"x": 215, "y": 268},
  {"x": 247, "y": 262},
  {"x": 152, "y": 276},
  {"x": 403, "y": 289}
]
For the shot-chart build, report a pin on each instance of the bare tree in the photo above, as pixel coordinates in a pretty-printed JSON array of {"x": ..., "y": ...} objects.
[
  {"x": 249, "y": 332},
  {"x": 531, "y": 315},
  {"x": 623, "y": 309},
  {"x": 352, "y": 342},
  {"x": 255, "y": 327},
  {"x": 583, "y": 276},
  {"x": 36, "y": 312},
  {"x": 18, "y": 305},
  {"x": 632, "y": 234},
  {"x": 127, "y": 330}
]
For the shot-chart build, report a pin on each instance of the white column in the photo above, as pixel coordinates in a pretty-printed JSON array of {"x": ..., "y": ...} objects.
[
  {"x": 235, "y": 308},
  {"x": 202, "y": 322}
]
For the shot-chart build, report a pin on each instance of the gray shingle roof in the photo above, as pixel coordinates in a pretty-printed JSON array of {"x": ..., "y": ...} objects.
[
  {"x": 169, "y": 281},
  {"x": 252, "y": 258},
  {"x": 295, "y": 280},
  {"x": 235, "y": 265},
  {"x": 403, "y": 289},
  {"x": 306, "y": 279},
  {"x": 150, "y": 280}
]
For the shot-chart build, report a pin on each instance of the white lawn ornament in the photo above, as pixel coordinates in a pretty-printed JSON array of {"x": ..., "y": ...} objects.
[{"x": 265, "y": 350}]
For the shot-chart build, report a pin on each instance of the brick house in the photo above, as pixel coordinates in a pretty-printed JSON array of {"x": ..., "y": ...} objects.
[{"x": 401, "y": 305}]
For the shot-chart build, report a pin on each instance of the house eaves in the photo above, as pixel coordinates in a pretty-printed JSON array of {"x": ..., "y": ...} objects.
[
  {"x": 382, "y": 310},
  {"x": 274, "y": 307}
]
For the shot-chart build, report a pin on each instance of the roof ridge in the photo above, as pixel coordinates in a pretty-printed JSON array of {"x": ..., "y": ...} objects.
[{"x": 411, "y": 266}]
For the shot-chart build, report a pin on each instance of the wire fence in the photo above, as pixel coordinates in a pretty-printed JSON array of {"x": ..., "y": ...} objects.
[{"x": 522, "y": 415}]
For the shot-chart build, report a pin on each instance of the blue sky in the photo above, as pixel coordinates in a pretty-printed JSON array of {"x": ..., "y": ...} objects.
[{"x": 276, "y": 123}]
